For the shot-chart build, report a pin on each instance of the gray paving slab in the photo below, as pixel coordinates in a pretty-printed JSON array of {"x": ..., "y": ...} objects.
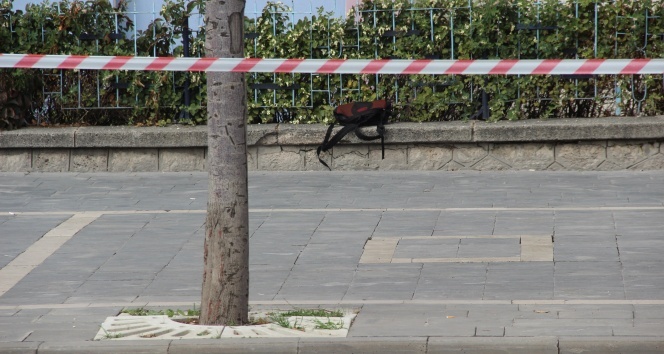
[
  {"x": 600, "y": 313},
  {"x": 103, "y": 347},
  {"x": 515, "y": 223},
  {"x": 573, "y": 330},
  {"x": 427, "y": 248},
  {"x": 486, "y": 247},
  {"x": 584, "y": 251},
  {"x": 640, "y": 330},
  {"x": 544, "y": 345},
  {"x": 519, "y": 279},
  {"x": 648, "y": 311},
  {"x": 589, "y": 280},
  {"x": 63, "y": 333},
  {"x": 451, "y": 281},
  {"x": 363, "y": 345},
  {"x": 306, "y": 245},
  {"x": 246, "y": 345},
  {"x": 408, "y": 321},
  {"x": 19, "y": 347},
  {"x": 322, "y": 254},
  {"x": 465, "y": 223},
  {"x": 614, "y": 345}
]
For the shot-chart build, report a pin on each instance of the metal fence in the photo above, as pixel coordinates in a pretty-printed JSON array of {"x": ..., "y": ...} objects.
[
  {"x": 532, "y": 29},
  {"x": 387, "y": 25}
]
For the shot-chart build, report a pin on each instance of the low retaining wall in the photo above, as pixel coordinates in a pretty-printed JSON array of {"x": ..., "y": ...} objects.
[{"x": 560, "y": 144}]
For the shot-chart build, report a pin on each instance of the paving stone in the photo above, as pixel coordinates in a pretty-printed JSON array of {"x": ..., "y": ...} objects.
[
  {"x": 363, "y": 345},
  {"x": 427, "y": 248},
  {"x": 584, "y": 252},
  {"x": 329, "y": 254},
  {"x": 534, "y": 331},
  {"x": 490, "y": 331},
  {"x": 236, "y": 345},
  {"x": 295, "y": 293},
  {"x": 103, "y": 347},
  {"x": 649, "y": 311},
  {"x": 644, "y": 330},
  {"x": 519, "y": 280},
  {"x": 469, "y": 223},
  {"x": 596, "y": 314},
  {"x": 590, "y": 321},
  {"x": 588, "y": 280},
  {"x": 15, "y": 332},
  {"x": 8, "y": 312},
  {"x": 409, "y": 327},
  {"x": 19, "y": 347},
  {"x": 64, "y": 333},
  {"x": 502, "y": 313},
  {"x": 486, "y": 247},
  {"x": 544, "y": 345},
  {"x": 612, "y": 345},
  {"x": 468, "y": 293}
]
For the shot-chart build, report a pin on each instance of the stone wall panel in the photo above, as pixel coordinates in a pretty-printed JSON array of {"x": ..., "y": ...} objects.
[
  {"x": 350, "y": 157},
  {"x": 311, "y": 162},
  {"x": 180, "y": 160},
  {"x": 584, "y": 156},
  {"x": 627, "y": 154},
  {"x": 131, "y": 160},
  {"x": 525, "y": 156},
  {"x": 428, "y": 157},
  {"x": 50, "y": 160},
  {"x": 490, "y": 163},
  {"x": 396, "y": 158},
  {"x": 276, "y": 158},
  {"x": 89, "y": 160},
  {"x": 15, "y": 160},
  {"x": 453, "y": 166},
  {"x": 655, "y": 162},
  {"x": 468, "y": 155}
]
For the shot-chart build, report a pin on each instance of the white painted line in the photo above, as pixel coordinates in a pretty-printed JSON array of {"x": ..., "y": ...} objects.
[
  {"x": 37, "y": 253},
  {"x": 467, "y": 237},
  {"x": 457, "y": 260},
  {"x": 341, "y": 210}
]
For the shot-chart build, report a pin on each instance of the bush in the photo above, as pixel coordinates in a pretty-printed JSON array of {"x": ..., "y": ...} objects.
[{"x": 445, "y": 29}]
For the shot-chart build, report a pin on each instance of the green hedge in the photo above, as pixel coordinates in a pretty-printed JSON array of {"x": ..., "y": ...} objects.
[{"x": 445, "y": 29}]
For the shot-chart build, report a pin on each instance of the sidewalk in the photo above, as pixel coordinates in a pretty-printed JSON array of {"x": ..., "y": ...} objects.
[{"x": 434, "y": 262}]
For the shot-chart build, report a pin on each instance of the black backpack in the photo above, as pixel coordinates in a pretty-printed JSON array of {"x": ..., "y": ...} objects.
[{"x": 354, "y": 115}]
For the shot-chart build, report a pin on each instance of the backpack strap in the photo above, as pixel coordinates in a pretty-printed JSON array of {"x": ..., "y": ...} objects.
[
  {"x": 328, "y": 143},
  {"x": 380, "y": 130}
]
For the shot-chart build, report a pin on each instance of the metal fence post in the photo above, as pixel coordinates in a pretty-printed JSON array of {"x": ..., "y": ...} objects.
[{"x": 185, "y": 117}]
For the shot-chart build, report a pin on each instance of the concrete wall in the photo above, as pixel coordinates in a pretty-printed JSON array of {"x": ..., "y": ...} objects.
[{"x": 565, "y": 144}]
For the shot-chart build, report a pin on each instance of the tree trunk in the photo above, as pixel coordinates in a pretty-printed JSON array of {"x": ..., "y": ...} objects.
[{"x": 225, "y": 295}]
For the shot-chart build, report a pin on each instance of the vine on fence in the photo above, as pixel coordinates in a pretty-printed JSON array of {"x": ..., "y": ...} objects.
[{"x": 407, "y": 29}]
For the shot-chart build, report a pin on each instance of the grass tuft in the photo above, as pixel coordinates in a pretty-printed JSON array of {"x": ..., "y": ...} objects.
[
  {"x": 168, "y": 312},
  {"x": 329, "y": 324},
  {"x": 313, "y": 313}
]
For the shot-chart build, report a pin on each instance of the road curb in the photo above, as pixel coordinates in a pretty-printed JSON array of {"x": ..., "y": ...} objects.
[{"x": 428, "y": 345}]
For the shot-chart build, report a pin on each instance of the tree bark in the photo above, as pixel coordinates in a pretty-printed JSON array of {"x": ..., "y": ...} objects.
[{"x": 225, "y": 293}]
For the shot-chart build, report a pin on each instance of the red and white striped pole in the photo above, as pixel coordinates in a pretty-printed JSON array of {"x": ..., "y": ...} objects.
[{"x": 340, "y": 66}]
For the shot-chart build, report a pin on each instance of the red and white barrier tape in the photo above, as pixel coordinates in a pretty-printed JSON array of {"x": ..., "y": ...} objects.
[{"x": 340, "y": 66}]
